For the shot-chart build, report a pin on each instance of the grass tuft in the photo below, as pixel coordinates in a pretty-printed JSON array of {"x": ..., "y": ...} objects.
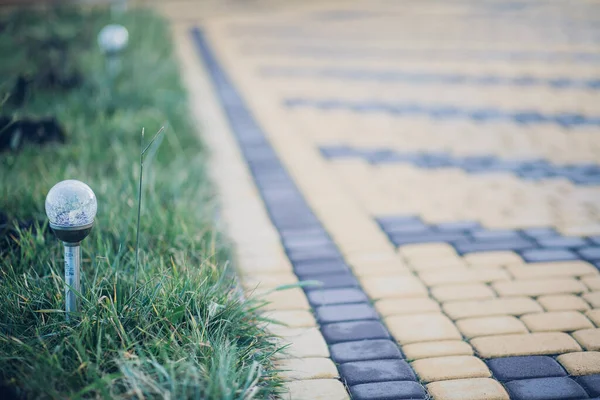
[{"x": 178, "y": 327}]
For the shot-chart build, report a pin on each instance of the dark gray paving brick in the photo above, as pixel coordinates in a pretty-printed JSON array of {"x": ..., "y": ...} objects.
[
  {"x": 336, "y": 296},
  {"x": 331, "y": 281},
  {"x": 323, "y": 267},
  {"x": 561, "y": 241},
  {"x": 511, "y": 244},
  {"x": 538, "y": 233},
  {"x": 433, "y": 237},
  {"x": 525, "y": 367},
  {"x": 353, "y": 331},
  {"x": 495, "y": 235},
  {"x": 546, "y": 389},
  {"x": 345, "y": 312},
  {"x": 590, "y": 383},
  {"x": 359, "y": 372},
  {"x": 396, "y": 390},
  {"x": 364, "y": 350},
  {"x": 544, "y": 255}
]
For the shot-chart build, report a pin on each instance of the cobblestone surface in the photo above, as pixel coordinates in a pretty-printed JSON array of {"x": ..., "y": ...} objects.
[{"x": 434, "y": 166}]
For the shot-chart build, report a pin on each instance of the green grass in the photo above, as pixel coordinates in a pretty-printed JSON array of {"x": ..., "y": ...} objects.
[{"x": 184, "y": 331}]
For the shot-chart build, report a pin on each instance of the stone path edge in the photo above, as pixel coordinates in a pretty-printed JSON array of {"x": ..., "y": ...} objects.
[{"x": 369, "y": 360}]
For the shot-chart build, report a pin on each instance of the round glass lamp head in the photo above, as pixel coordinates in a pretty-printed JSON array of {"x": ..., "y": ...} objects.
[
  {"x": 113, "y": 38},
  {"x": 71, "y": 208}
]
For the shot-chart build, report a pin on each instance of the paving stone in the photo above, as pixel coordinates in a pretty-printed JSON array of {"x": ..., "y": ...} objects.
[
  {"x": 426, "y": 250},
  {"x": 493, "y": 258},
  {"x": 473, "y": 291},
  {"x": 430, "y": 237},
  {"x": 301, "y": 342},
  {"x": 320, "y": 267},
  {"x": 538, "y": 287},
  {"x": 417, "y": 305},
  {"x": 554, "y": 269},
  {"x": 592, "y": 282},
  {"x": 378, "y": 287},
  {"x": 591, "y": 383},
  {"x": 352, "y": 331},
  {"x": 524, "y": 367},
  {"x": 330, "y": 281},
  {"x": 395, "y": 390},
  {"x": 489, "y": 235},
  {"x": 539, "y": 233},
  {"x": 524, "y": 344},
  {"x": 335, "y": 296},
  {"x": 565, "y": 321},
  {"x": 590, "y": 253},
  {"x": 431, "y": 264},
  {"x": 307, "y": 368},
  {"x": 589, "y": 339},
  {"x": 486, "y": 326},
  {"x": 421, "y": 328},
  {"x": 581, "y": 363},
  {"x": 463, "y": 275},
  {"x": 345, "y": 312},
  {"x": 563, "y": 303},
  {"x": 289, "y": 299},
  {"x": 467, "y": 389},
  {"x": 358, "y": 372},
  {"x": 441, "y": 348},
  {"x": 482, "y": 308},
  {"x": 562, "y": 242},
  {"x": 544, "y": 255},
  {"x": 259, "y": 281},
  {"x": 453, "y": 367},
  {"x": 593, "y": 298},
  {"x": 315, "y": 389},
  {"x": 292, "y": 318},
  {"x": 508, "y": 244},
  {"x": 561, "y": 388},
  {"x": 594, "y": 316},
  {"x": 364, "y": 350},
  {"x": 460, "y": 226}
]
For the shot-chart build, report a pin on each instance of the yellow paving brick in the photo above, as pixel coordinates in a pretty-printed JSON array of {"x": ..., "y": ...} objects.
[
  {"x": 486, "y": 326},
  {"x": 454, "y": 367},
  {"x": 538, "y": 287},
  {"x": 253, "y": 281},
  {"x": 391, "y": 286},
  {"x": 293, "y": 369},
  {"x": 426, "y": 251},
  {"x": 556, "y": 269},
  {"x": 422, "y": 328},
  {"x": 417, "y": 305},
  {"x": 292, "y": 318},
  {"x": 315, "y": 389},
  {"x": 581, "y": 363},
  {"x": 564, "y": 302},
  {"x": 429, "y": 264},
  {"x": 565, "y": 321},
  {"x": 463, "y": 275},
  {"x": 442, "y": 348},
  {"x": 481, "y": 308},
  {"x": 493, "y": 259},
  {"x": 379, "y": 269},
  {"x": 301, "y": 342},
  {"x": 471, "y": 291},
  {"x": 592, "y": 282},
  {"x": 524, "y": 344},
  {"x": 288, "y": 299},
  {"x": 467, "y": 389},
  {"x": 589, "y": 339},
  {"x": 594, "y": 316},
  {"x": 593, "y": 298}
]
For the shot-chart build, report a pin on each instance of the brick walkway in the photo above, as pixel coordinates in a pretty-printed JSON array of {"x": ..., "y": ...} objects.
[{"x": 435, "y": 164}]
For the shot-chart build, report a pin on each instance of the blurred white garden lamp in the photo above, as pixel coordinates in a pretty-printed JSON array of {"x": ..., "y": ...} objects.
[
  {"x": 71, "y": 208},
  {"x": 112, "y": 40}
]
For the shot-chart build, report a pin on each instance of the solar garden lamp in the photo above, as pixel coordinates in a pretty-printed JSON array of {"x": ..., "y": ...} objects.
[
  {"x": 112, "y": 40},
  {"x": 71, "y": 207}
]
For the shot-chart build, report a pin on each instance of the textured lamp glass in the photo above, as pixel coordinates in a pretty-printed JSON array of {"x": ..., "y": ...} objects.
[
  {"x": 113, "y": 38},
  {"x": 71, "y": 204}
]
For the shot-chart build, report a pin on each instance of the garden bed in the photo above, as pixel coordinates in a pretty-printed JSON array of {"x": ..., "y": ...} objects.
[{"x": 183, "y": 331}]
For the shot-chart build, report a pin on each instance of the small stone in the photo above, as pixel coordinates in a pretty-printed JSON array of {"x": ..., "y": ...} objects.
[
  {"x": 422, "y": 328},
  {"x": 364, "y": 350},
  {"x": 485, "y": 326},
  {"x": 441, "y": 348},
  {"x": 524, "y": 344},
  {"x": 345, "y": 312},
  {"x": 394, "y": 390},
  {"x": 565, "y": 302},
  {"x": 336, "y": 296},
  {"x": 352, "y": 331},
  {"x": 564, "y": 321},
  {"x": 524, "y": 367},
  {"x": 562, "y": 388}
]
